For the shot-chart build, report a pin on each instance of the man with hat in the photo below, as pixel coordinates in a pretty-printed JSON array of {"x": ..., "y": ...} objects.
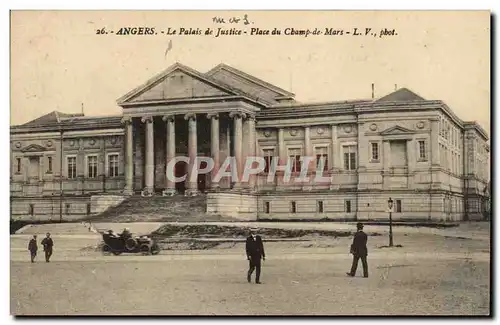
[
  {"x": 48, "y": 244},
  {"x": 33, "y": 248},
  {"x": 359, "y": 251},
  {"x": 255, "y": 252}
]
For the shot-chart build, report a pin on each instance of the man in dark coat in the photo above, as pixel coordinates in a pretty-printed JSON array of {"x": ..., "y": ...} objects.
[
  {"x": 33, "y": 248},
  {"x": 48, "y": 244},
  {"x": 359, "y": 251},
  {"x": 255, "y": 252}
]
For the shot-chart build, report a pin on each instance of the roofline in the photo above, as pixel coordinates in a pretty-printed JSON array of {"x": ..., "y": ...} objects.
[
  {"x": 477, "y": 127},
  {"x": 315, "y": 104},
  {"x": 221, "y": 66},
  {"x": 68, "y": 124}
]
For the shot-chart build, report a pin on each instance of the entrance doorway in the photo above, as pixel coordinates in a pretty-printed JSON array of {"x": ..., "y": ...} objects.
[
  {"x": 179, "y": 171},
  {"x": 202, "y": 178}
]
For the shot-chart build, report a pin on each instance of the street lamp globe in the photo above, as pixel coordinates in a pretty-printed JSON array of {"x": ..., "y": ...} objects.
[{"x": 389, "y": 203}]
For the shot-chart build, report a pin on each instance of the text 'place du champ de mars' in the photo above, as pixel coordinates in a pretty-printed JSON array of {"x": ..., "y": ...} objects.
[{"x": 416, "y": 151}]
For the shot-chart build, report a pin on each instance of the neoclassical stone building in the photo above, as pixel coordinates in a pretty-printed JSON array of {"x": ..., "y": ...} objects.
[{"x": 415, "y": 151}]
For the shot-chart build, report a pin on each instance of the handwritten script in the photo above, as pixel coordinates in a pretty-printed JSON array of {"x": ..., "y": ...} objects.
[{"x": 232, "y": 20}]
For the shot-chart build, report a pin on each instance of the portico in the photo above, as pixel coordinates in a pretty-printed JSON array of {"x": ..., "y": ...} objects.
[{"x": 214, "y": 133}]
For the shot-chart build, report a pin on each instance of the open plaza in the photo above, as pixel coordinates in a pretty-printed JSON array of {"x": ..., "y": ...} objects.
[{"x": 430, "y": 271}]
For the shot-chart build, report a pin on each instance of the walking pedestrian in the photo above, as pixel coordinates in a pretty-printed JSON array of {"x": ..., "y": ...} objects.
[
  {"x": 359, "y": 251},
  {"x": 33, "y": 248},
  {"x": 255, "y": 253},
  {"x": 48, "y": 244}
]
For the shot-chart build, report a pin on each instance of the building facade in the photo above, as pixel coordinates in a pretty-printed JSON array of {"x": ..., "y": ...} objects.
[{"x": 416, "y": 151}]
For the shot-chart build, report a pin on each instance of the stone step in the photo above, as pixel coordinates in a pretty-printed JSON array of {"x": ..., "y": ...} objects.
[{"x": 157, "y": 208}]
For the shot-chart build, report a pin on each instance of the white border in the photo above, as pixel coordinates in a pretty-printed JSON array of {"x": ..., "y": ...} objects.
[{"x": 200, "y": 4}]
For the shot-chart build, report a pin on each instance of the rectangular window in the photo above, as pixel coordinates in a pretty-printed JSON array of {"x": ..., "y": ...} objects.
[
  {"x": 113, "y": 165},
  {"x": 71, "y": 167},
  {"x": 375, "y": 152},
  {"x": 49, "y": 167},
  {"x": 294, "y": 207},
  {"x": 398, "y": 205},
  {"x": 322, "y": 158},
  {"x": 350, "y": 157},
  {"x": 347, "y": 206},
  {"x": 320, "y": 206},
  {"x": 31, "y": 209},
  {"x": 68, "y": 207},
  {"x": 88, "y": 208},
  {"x": 91, "y": 166},
  {"x": 421, "y": 150},
  {"x": 294, "y": 158},
  {"x": 18, "y": 161},
  {"x": 268, "y": 158},
  {"x": 267, "y": 207}
]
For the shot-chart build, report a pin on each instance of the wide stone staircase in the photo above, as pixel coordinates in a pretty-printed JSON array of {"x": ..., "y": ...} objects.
[{"x": 158, "y": 209}]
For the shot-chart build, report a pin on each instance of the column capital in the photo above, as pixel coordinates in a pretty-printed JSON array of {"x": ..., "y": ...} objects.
[
  {"x": 236, "y": 115},
  {"x": 147, "y": 119},
  {"x": 250, "y": 117},
  {"x": 190, "y": 116},
  {"x": 213, "y": 116},
  {"x": 168, "y": 118},
  {"x": 126, "y": 120}
]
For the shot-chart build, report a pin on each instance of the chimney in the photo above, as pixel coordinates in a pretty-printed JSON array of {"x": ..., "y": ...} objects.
[
  {"x": 395, "y": 87},
  {"x": 373, "y": 91}
]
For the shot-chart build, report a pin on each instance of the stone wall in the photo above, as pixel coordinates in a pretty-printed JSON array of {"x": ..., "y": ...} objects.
[
  {"x": 100, "y": 203},
  {"x": 49, "y": 208},
  {"x": 235, "y": 205},
  {"x": 350, "y": 205}
]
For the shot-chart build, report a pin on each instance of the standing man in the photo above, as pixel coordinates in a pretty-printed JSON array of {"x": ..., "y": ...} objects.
[
  {"x": 359, "y": 251},
  {"x": 255, "y": 251},
  {"x": 33, "y": 248},
  {"x": 47, "y": 243}
]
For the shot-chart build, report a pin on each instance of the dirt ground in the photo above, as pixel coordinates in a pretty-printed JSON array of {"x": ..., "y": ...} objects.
[{"x": 431, "y": 274}]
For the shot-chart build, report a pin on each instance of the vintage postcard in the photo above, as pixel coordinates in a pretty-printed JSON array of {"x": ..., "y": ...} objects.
[{"x": 250, "y": 163}]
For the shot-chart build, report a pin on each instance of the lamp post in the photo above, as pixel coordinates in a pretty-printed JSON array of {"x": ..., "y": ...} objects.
[{"x": 389, "y": 205}]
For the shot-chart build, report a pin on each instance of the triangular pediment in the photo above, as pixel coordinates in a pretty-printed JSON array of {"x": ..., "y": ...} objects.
[
  {"x": 33, "y": 148},
  {"x": 396, "y": 130},
  {"x": 177, "y": 82}
]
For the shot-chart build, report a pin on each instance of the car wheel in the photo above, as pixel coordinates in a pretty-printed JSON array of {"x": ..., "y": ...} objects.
[
  {"x": 145, "y": 249},
  {"x": 155, "y": 250},
  {"x": 106, "y": 250}
]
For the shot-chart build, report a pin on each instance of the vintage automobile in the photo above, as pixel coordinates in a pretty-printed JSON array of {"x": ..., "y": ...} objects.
[{"x": 126, "y": 243}]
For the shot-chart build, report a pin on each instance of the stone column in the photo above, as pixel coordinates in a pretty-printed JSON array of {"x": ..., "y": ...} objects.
[
  {"x": 435, "y": 159},
  {"x": 251, "y": 151},
  {"x": 25, "y": 167},
  {"x": 281, "y": 147},
  {"x": 170, "y": 154},
  {"x": 149, "y": 168},
  {"x": 387, "y": 155},
  {"x": 41, "y": 164},
  {"x": 238, "y": 142},
  {"x": 129, "y": 153},
  {"x": 191, "y": 186},
  {"x": 308, "y": 149},
  {"x": 214, "y": 147},
  {"x": 410, "y": 154}
]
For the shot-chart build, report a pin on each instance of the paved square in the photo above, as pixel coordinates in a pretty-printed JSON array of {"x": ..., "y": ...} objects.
[{"x": 430, "y": 275}]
